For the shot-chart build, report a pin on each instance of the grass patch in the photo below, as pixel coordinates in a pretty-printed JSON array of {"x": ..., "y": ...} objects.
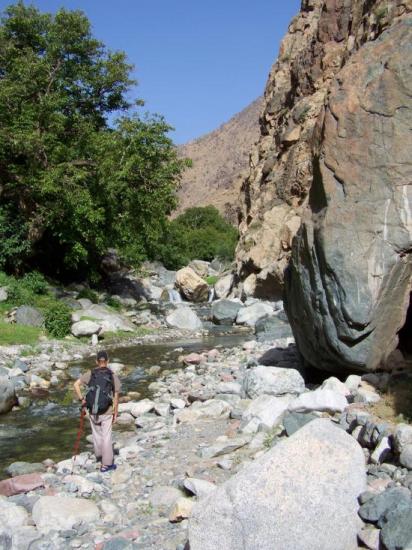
[
  {"x": 396, "y": 403},
  {"x": 18, "y": 334},
  {"x": 211, "y": 279}
]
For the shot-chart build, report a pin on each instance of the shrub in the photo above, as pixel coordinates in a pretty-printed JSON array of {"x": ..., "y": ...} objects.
[
  {"x": 114, "y": 303},
  {"x": 58, "y": 320},
  {"x": 35, "y": 283},
  {"x": 89, "y": 294}
]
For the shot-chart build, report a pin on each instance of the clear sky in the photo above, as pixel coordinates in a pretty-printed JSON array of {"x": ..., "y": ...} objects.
[{"x": 197, "y": 62}]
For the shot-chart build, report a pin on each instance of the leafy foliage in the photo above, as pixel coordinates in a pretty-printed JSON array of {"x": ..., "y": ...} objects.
[
  {"x": 201, "y": 233},
  {"x": 70, "y": 184},
  {"x": 58, "y": 320},
  {"x": 89, "y": 294}
]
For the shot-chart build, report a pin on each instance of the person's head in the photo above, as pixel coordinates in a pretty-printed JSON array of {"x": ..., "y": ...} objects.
[{"x": 102, "y": 359}]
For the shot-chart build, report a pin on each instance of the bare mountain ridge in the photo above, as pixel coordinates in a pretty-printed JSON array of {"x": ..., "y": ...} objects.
[{"x": 220, "y": 163}]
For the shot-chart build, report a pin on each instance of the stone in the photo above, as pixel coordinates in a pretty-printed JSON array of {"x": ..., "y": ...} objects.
[
  {"x": 227, "y": 446},
  {"x": 191, "y": 286},
  {"x": 137, "y": 408},
  {"x": 198, "y": 487},
  {"x": 28, "y": 315},
  {"x": 200, "y": 267},
  {"x": 20, "y": 484},
  {"x": 382, "y": 451},
  {"x": 405, "y": 457},
  {"x": 122, "y": 475},
  {"x": 24, "y": 537},
  {"x": 83, "y": 485},
  {"x": 212, "y": 408},
  {"x": 335, "y": 385},
  {"x": 181, "y": 510},
  {"x": 184, "y": 318},
  {"x": 7, "y": 395},
  {"x": 271, "y": 328},
  {"x": 193, "y": 359},
  {"x": 263, "y": 413},
  {"x": 396, "y": 532},
  {"x": 369, "y": 397},
  {"x": 59, "y": 513},
  {"x": 279, "y": 502},
  {"x": 224, "y": 312},
  {"x": 105, "y": 318},
  {"x": 250, "y": 315},
  {"x": 349, "y": 250},
  {"x": 23, "y": 468},
  {"x": 293, "y": 421},
  {"x": 177, "y": 403},
  {"x": 319, "y": 400},
  {"x": 402, "y": 436},
  {"x": 272, "y": 381},
  {"x": 164, "y": 496},
  {"x": 376, "y": 507},
  {"x": 353, "y": 382},
  {"x": 12, "y": 515},
  {"x": 369, "y": 537},
  {"x": 229, "y": 387},
  {"x": 223, "y": 286},
  {"x": 162, "y": 409},
  {"x": 85, "y": 328}
]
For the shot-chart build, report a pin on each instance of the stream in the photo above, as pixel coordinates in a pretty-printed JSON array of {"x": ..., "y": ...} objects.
[{"x": 48, "y": 428}]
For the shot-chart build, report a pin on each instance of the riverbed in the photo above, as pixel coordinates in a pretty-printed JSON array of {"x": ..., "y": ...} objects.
[{"x": 48, "y": 428}]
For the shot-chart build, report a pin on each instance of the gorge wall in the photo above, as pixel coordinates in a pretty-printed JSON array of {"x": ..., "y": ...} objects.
[{"x": 331, "y": 180}]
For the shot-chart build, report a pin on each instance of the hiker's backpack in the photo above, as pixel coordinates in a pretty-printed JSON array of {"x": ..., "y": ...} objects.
[{"x": 99, "y": 396}]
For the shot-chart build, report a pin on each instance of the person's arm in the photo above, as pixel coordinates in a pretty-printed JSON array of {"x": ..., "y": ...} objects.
[
  {"x": 78, "y": 391},
  {"x": 115, "y": 406}
]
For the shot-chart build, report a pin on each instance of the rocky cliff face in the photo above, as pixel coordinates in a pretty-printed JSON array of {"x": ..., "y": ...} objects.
[
  {"x": 333, "y": 166},
  {"x": 220, "y": 163}
]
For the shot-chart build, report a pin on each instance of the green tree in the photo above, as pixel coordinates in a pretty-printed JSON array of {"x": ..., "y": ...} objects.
[{"x": 71, "y": 183}]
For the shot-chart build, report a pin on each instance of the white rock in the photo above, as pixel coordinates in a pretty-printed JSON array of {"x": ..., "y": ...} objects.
[
  {"x": 116, "y": 367},
  {"x": 131, "y": 451},
  {"x": 177, "y": 403},
  {"x": 319, "y": 400},
  {"x": 84, "y": 486},
  {"x": 12, "y": 515},
  {"x": 353, "y": 382},
  {"x": 272, "y": 381},
  {"x": 363, "y": 395},
  {"x": 288, "y": 498},
  {"x": 233, "y": 388},
  {"x": 335, "y": 385},
  {"x": 62, "y": 513},
  {"x": 142, "y": 407},
  {"x": 223, "y": 286},
  {"x": 162, "y": 409},
  {"x": 381, "y": 451},
  {"x": 402, "y": 436},
  {"x": 406, "y": 457},
  {"x": 250, "y": 315},
  {"x": 264, "y": 412},
  {"x": 184, "y": 318},
  {"x": 85, "y": 328},
  {"x": 110, "y": 512}
]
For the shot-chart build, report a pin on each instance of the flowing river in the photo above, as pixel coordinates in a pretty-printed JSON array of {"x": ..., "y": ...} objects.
[{"x": 48, "y": 428}]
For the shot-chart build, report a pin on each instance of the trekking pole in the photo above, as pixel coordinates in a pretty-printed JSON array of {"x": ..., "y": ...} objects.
[{"x": 79, "y": 435}]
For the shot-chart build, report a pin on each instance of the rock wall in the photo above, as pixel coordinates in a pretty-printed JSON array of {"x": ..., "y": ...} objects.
[
  {"x": 321, "y": 40},
  {"x": 332, "y": 175}
]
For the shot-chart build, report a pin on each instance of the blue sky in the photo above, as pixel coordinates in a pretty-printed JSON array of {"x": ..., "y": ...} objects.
[{"x": 197, "y": 63}]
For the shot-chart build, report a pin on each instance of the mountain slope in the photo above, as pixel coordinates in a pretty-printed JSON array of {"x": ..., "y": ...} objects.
[{"x": 220, "y": 161}]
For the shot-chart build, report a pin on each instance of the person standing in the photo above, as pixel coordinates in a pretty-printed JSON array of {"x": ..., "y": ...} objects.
[{"x": 102, "y": 400}]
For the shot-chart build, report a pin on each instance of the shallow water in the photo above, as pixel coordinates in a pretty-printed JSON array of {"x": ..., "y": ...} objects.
[{"x": 47, "y": 429}]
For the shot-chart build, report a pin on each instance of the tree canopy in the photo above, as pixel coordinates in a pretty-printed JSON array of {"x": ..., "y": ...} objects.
[{"x": 73, "y": 182}]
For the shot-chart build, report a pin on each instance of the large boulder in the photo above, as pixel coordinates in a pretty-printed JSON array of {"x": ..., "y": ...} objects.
[
  {"x": 200, "y": 267},
  {"x": 223, "y": 286},
  {"x": 301, "y": 494},
  {"x": 263, "y": 413},
  {"x": 7, "y": 395},
  {"x": 272, "y": 328},
  {"x": 85, "y": 328},
  {"x": 224, "y": 312},
  {"x": 62, "y": 513},
  {"x": 272, "y": 381},
  {"x": 28, "y": 315},
  {"x": 348, "y": 286},
  {"x": 105, "y": 318},
  {"x": 250, "y": 315},
  {"x": 191, "y": 286},
  {"x": 183, "y": 317}
]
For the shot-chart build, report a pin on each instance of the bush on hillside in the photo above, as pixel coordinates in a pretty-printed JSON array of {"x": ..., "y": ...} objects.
[
  {"x": 58, "y": 320},
  {"x": 199, "y": 233},
  {"x": 89, "y": 294}
]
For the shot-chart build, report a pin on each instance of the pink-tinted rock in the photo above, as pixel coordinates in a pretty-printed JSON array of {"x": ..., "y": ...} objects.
[{"x": 20, "y": 484}]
